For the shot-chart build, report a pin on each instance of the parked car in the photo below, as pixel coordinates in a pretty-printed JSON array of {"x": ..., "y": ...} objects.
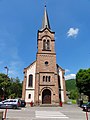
[
  {"x": 22, "y": 103},
  {"x": 86, "y": 107},
  {"x": 10, "y": 103}
]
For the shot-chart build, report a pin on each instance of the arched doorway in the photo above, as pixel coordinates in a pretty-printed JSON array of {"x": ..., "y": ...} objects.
[{"x": 46, "y": 96}]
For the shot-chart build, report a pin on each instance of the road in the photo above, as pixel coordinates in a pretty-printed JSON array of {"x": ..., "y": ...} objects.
[{"x": 67, "y": 112}]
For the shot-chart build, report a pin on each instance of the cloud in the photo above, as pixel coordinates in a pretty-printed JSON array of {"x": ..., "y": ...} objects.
[
  {"x": 67, "y": 70},
  {"x": 70, "y": 76},
  {"x": 72, "y": 32},
  {"x": 15, "y": 68},
  {"x": 13, "y": 73}
]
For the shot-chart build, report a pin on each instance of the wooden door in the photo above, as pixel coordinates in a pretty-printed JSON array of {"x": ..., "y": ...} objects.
[{"x": 46, "y": 97}]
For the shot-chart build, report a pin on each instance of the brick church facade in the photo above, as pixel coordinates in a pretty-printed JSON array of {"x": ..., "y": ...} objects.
[{"x": 44, "y": 81}]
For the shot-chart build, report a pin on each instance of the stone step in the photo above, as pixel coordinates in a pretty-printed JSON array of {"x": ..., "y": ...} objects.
[{"x": 48, "y": 105}]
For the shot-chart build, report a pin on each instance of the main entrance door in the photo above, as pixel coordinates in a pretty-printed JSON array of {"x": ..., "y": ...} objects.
[{"x": 46, "y": 96}]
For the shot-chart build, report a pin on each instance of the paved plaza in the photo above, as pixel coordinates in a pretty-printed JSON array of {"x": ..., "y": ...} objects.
[{"x": 67, "y": 112}]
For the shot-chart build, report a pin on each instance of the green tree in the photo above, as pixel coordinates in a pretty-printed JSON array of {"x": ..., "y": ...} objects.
[
  {"x": 4, "y": 85},
  {"x": 71, "y": 88},
  {"x": 70, "y": 84},
  {"x": 74, "y": 94},
  {"x": 83, "y": 81},
  {"x": 10, "y": 87},
  {"x": 16, "y": 88}
]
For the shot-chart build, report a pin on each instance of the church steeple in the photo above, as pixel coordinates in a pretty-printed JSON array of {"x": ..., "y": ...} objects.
[{"x": 45, "y": 22}]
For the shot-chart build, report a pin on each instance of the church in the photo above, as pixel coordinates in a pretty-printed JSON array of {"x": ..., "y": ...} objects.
[{"x": 44, "y": 82}]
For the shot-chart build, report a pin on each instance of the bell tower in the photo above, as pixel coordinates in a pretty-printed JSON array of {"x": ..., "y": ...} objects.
[{"x": 46, "y": 85}]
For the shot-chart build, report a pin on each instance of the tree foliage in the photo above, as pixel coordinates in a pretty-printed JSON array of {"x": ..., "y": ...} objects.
[
  {"x": 16, "y": 88},
  {"x": 70, "y": 84},
  {"x": 71, "y": 88},
  {"x": 4, "y": 85},
  {"x": 74, "y": 94},
  {"x": 10, "y": 87},
  {"x": 83, "y": 81}
]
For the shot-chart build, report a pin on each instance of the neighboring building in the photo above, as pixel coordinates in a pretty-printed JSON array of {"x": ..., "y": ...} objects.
[{"x": 44, "y": 81}]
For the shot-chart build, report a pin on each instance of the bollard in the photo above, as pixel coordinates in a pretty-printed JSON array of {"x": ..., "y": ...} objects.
[
  {"x": 60, "y": 103},
  {"x": 86, "y": 115},
  {"x": 5, "y": 114},
  {"x": 31, "y": 103}
]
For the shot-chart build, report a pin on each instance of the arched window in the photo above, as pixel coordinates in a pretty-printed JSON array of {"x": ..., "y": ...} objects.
[
  {"x": 48, "y": 45},
  {"x": 29, "y": 96},
  {"x": 44, "y": 44},
  {"x": 48, "y": 78},
  {"x": 43, "y": 78},
  {"x": 30, "y": 81}
]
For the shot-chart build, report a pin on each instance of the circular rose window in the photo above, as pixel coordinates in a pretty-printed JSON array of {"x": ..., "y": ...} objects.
[{"x": 46, "y": 63}]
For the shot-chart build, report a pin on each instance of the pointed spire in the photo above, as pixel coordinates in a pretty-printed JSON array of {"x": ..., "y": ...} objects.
[{"x": 45, "y": 22}]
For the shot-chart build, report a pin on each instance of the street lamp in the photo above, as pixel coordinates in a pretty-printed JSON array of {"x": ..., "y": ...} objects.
[
  {"x": 7, "y": 69},
  {"x": 4, "y": 89}
]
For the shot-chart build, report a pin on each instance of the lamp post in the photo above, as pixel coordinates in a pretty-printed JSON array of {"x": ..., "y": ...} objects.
[
  {"x": 4, "y": 90},
  {"x": 7, "y": 69}
]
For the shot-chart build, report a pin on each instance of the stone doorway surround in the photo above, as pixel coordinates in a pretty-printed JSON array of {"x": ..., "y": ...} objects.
[{"x": 46, "y": 96}]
